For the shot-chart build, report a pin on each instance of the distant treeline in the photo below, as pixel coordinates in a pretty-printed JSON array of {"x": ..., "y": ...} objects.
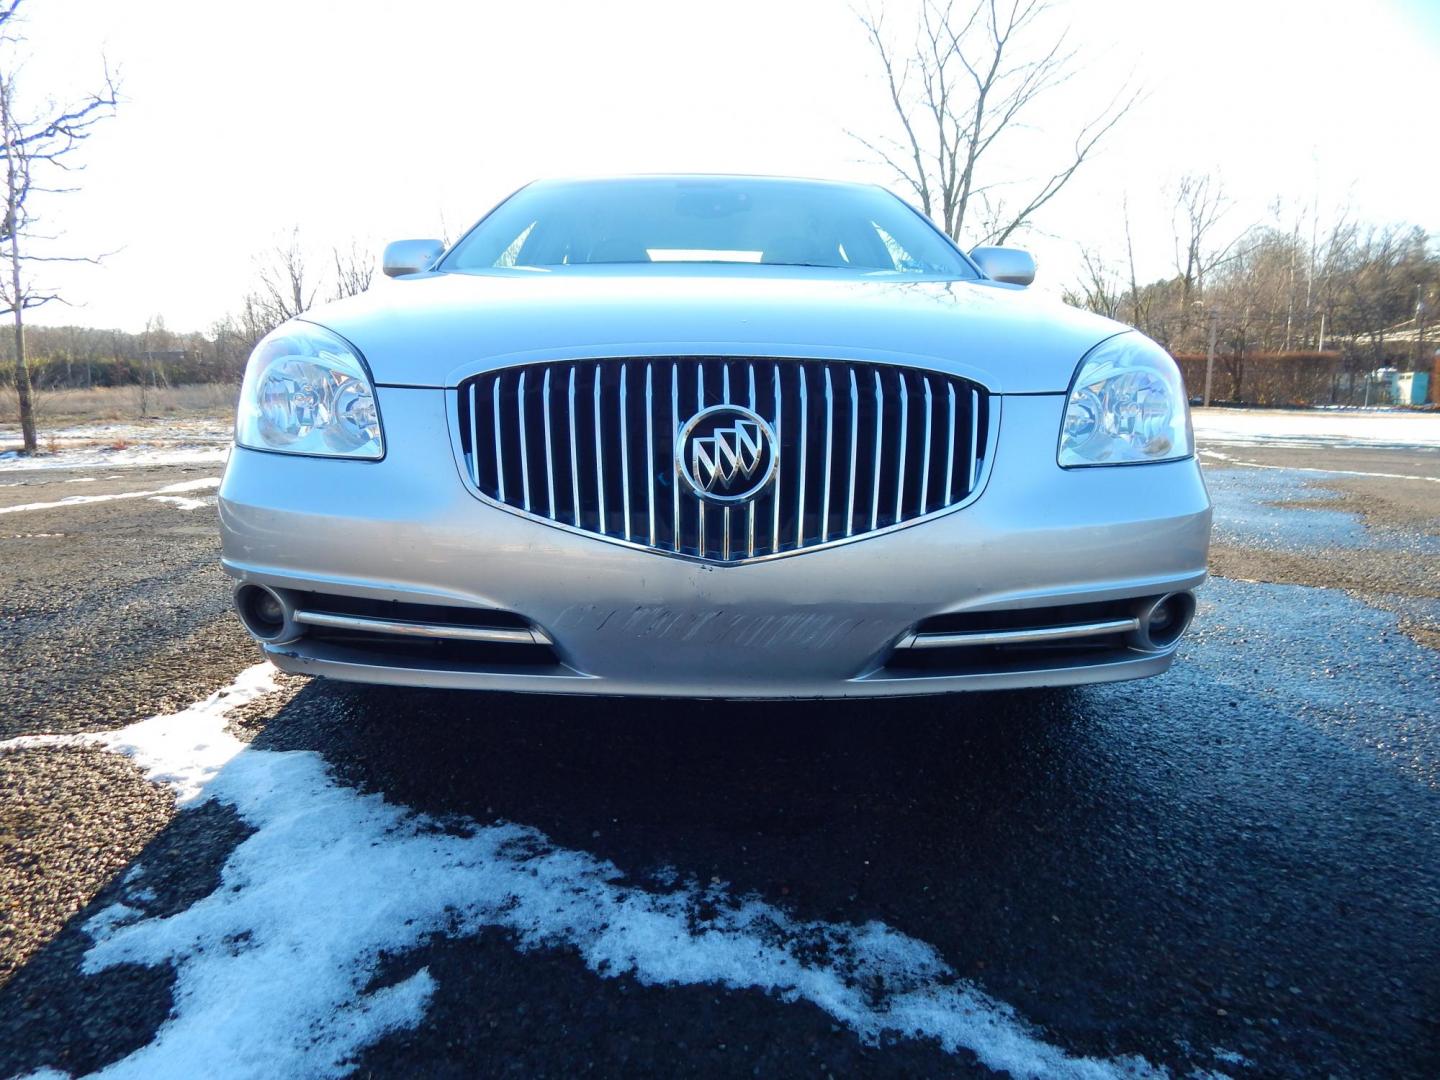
[
  {"x": 286, "y": 286},
  {"x": 1297, "y": 314},
  {"x": 77, "y": 356},
  {"x": 1291, "y": 378}
]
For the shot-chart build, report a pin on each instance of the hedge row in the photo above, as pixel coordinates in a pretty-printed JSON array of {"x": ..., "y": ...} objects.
[{"x": 1286, "y": 378}]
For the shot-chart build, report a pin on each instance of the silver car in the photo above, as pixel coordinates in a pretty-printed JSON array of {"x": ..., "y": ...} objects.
[{"x": 711, "y": 436}]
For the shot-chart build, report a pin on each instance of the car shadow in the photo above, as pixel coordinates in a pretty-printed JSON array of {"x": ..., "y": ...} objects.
[{"x": 735, "y": 790}]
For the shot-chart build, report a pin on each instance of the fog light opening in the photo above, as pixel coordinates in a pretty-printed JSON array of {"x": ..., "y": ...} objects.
[
  {"x": 1163, "y": 622},
  {"x": 264, "y": 613}
]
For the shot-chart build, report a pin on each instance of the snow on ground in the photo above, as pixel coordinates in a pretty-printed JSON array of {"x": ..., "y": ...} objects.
[
  {"x": 1231, "y": 460},
  {"x": 183, "y": 750},
  {"x": 91, "y": 446},
  {"x": 272, "y": 967},
  {"x": 182, "y": 502},
  {"x": 1316, "y": 428},
  {"x": 170, "y": 493}
]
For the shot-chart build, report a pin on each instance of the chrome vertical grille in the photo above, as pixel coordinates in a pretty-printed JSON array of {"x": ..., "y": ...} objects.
[{"x": 591, "y": 445}]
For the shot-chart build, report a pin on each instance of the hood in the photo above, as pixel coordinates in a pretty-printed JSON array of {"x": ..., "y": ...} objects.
[{"x": 436, "y": 329}]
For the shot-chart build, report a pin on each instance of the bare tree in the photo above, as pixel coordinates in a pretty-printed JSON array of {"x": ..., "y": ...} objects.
[
  {"x": 156, "y": 344},
  {"x": 1099, "y": 288},
  {"x": 1200, "y": 204},
  {"x": 286, "y": 289},
  {"x": 354, "y": 270},
  {"x": 34, "y": 145},
  {"x": 972, "y": 75}
]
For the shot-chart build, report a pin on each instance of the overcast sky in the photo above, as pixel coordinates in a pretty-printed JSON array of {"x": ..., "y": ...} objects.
[{"x": 379, "y": 121}]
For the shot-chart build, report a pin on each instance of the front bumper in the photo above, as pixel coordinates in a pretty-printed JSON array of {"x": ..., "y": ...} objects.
[{"x": 625, "y": 621}]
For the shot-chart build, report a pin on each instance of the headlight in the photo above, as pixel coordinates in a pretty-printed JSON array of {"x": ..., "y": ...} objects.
[
  {"x": 307, "y": 392},
  {"x": 1127, "y": 405}
]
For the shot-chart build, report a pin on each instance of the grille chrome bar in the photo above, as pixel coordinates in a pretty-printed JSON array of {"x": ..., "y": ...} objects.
[
  {"x": 725, "y": 517},
  {"x": 599, "y": 457},
  {"x": 624, "y": 456},
  {"x": 829, "y": 457},
  {"x": 574, "y": 455},
  {"x": 699, "y": 502},
  {"x": 750, "y": 510},
  {"x": 779, "y": 473},
  {"x": 974, "y": 437},
  {"x": 879, "y": 450},
  {"x": 549, "y": 448},
  {"x": 650, "y": 449},
  {"x": 499, "y": 445},
  {"x": 904, "y": 431},
  {"x": 474, "y": 433},
  {"x": 804, "y": 446},
  {"x": 950, "y": 446},
  {"x": 674, "y": 434},
  {"x": 524, "y": 441},
  {"x": 901, "y": 444},
  {"x": 925, "y": 465},
  {"x": 854, "y": 451}
]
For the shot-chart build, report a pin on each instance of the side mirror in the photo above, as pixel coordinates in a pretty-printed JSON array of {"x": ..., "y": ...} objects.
[
  {"x": 1007, "y": 264},
  {"x": 410, "y": 256}
]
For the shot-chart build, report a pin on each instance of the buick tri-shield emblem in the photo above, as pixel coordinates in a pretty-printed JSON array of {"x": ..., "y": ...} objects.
[{"x": 727, "y": 454}]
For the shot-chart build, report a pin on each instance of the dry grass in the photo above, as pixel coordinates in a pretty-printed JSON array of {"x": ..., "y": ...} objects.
[{"x": 120, "y": 403}]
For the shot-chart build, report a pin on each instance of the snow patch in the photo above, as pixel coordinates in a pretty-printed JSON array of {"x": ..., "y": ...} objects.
[
  {"x": 1229, "y": 459},
  {"x": 1306, "y": 428},
  {"x": 76, "y": 500},
  {"x": 132, "y": 457},
  {"x": 272, "y": 967},
  {"x": 183, "y": 750},
  {"x": 168, "y": 441},
  {"x": 184, "y": 503}
]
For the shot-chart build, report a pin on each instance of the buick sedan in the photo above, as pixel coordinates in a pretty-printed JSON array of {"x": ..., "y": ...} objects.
[{"x": 709, "y": 436}]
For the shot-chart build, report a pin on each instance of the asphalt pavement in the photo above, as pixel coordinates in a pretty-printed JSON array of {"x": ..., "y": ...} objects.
[{"x": 1233, "y": 869}]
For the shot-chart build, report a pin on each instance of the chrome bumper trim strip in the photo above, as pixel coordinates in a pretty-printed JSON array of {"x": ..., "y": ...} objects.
[
  {"x": 496, "y": 634},
  {"x": 1018, "y": 637}
]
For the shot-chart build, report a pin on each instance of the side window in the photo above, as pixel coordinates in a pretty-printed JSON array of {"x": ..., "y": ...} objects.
[{"x": 511, "y": 255}]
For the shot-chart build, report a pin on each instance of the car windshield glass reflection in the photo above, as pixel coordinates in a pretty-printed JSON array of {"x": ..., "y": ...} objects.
[{"x": 743, "y": 221}]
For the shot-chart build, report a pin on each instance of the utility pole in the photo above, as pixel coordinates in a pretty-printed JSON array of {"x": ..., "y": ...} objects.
[
  {"x": 1419, "y": 331},
  {"x": 1210, "y": 355}
]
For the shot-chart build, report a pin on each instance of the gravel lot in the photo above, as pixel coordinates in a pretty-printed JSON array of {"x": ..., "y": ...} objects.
[{"x": 1230, "y": 870}]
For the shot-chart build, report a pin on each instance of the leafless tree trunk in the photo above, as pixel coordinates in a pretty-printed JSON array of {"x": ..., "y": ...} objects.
[
  {"x": 972, "y": 75},
  {"x": 13, "y": 199},
  {"x": 28, "y": 143},
  {"x": 1136, "y": 319}
]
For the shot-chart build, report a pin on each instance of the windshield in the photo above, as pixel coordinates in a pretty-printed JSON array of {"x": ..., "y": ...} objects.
[{"x": 648, "y": 220}]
